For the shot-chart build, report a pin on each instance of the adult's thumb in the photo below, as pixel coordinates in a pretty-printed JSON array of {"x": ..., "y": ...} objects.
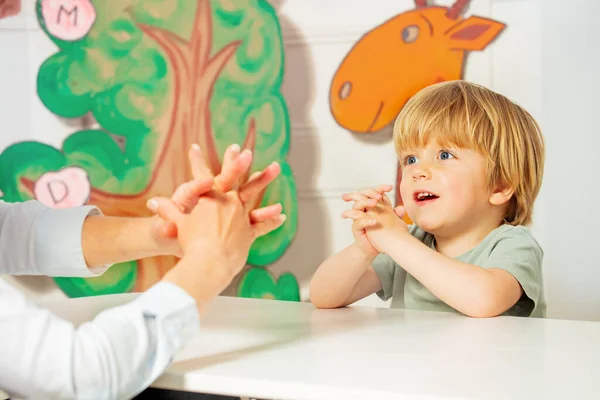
[{"x": 165, "y": 208}]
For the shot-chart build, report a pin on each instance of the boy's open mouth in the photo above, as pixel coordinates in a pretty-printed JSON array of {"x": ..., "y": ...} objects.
[{"x": 424, "y": 197}]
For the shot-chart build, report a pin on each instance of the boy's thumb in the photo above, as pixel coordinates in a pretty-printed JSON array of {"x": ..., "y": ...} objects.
[{"x": 400, "y": 211}]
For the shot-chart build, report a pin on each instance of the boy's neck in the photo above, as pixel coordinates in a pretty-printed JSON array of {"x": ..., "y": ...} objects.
[{"x": 458, "y": 243}]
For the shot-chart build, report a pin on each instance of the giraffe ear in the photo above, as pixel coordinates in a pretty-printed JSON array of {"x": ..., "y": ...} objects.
[
  {"x": 473, "y": 33},
  {"x": 9, "y": 8}
]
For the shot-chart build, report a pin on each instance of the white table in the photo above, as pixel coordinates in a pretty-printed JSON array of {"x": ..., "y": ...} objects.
[{"x": 280, "y": 350}]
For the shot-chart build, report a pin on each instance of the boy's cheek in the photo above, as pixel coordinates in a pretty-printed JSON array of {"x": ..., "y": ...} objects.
[{"x": 405, "y": 192}]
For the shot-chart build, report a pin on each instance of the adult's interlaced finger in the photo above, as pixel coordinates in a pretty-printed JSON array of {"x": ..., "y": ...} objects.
[
  {"x": 265, "y": 213},
  {"x": 235, "y": 167},
  {"x": 258, "y": 182},
  {"x": 187, "y": 194},
  {"x": 262, "y": 228},
  {"x": 166, "y": 209},
  {"x": 200, "y": 170}
]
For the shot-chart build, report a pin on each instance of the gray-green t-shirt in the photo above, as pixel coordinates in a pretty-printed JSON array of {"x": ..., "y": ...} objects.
[{"x": 511, "y": 248}]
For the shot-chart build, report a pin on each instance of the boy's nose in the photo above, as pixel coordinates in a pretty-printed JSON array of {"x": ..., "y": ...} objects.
[{"x": 421, "y": 173}]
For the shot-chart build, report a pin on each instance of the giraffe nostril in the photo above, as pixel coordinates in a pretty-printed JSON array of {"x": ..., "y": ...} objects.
[{"x": 345, "y": 90}]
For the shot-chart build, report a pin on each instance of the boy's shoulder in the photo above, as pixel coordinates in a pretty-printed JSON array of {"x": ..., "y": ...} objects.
[
  {"x": 517, "y": 234},
  {"x": 505, "y": 235},
  {"x": 507, "y": 244}
]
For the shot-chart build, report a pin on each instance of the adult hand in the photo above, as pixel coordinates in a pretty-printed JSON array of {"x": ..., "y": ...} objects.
[{"x": 233, "y": 173}]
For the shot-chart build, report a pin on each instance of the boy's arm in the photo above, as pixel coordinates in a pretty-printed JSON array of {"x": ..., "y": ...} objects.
[
  {"x": 470, "y": 289},
  {"x": 344, "y": 278}
]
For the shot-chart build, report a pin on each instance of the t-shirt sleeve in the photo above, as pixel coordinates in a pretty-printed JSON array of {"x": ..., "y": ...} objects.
[
  {"x": 385, "y": 268},
  {"x": 520, "y": 255}
]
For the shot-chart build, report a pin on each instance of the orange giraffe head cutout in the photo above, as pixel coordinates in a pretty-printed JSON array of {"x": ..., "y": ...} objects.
[{"x": 396, "y": 59}]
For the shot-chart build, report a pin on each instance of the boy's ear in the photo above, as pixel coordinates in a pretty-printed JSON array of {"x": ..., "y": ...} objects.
[{"x": 501, "y": 195}]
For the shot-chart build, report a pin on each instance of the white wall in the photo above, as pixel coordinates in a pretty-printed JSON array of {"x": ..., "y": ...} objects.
[
  {"x": 542, "y": 61},
  {"x": 571, "y": 194},
  {"x": 314, "y": 48}
]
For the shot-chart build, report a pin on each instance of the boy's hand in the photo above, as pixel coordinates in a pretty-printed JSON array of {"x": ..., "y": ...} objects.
[
  {"x": 373, "y": 194},
  {"x": 386, "y": 224},
  {"x": 366, "y": 194},
  {"x": 362, "y": 200},
  {"x": 379, "y": 222}
]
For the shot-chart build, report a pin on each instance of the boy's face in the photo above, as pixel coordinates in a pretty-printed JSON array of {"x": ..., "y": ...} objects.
[{"x": 444, "y": 190}]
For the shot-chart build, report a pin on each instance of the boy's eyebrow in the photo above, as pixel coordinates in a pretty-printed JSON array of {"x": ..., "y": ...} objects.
[{"x": 407, "y": 150}]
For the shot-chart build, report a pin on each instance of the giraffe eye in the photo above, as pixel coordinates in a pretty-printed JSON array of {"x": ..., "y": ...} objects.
[
  {"x": 345, "y": 90},
  {"x": 410, "y": 33}
]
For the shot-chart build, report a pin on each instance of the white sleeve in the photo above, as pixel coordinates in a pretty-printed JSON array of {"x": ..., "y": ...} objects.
[
  {"x": 115, "y": 356},
  {"x": 39, "y": 240}
]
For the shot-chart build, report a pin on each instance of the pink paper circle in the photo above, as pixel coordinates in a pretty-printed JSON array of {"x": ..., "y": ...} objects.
[
  {"x": 69, "y": 187},
  {"x": 68, "y": 19}
]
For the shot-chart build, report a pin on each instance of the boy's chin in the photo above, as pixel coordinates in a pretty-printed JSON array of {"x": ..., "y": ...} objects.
[{"x": 428, "y": 223}]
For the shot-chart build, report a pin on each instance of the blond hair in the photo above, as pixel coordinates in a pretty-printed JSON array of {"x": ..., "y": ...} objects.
[{"x": 466, "y": 115}]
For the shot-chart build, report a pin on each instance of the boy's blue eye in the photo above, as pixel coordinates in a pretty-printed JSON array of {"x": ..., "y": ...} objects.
[
  {"x": 411, "y": 159},
  {"x": 444, "y": 155}
]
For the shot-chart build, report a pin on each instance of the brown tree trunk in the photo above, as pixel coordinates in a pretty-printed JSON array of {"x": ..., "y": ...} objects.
[{"x": 187, "y": 121}]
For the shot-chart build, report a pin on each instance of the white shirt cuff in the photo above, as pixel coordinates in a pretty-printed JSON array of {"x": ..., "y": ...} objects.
[
  {"x": 175, "y": 312},
  {"x": 58, "y": 242}
]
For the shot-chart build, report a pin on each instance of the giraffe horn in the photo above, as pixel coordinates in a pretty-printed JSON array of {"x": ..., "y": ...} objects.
[{"x": 457, "y": 8}]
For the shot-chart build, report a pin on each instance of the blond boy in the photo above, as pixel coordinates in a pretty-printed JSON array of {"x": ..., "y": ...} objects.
[{"x": 472, "y": 165}]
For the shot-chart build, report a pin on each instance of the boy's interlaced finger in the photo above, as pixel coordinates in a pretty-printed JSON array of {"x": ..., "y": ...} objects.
[
  {"x": 363, "y": 204},
  {"x": 362, "y": 195},
  {"x": 352, "y": 214},
  {"x": 354, "y": 196},
  {"x": 372, "y": 194},
  {"x": 386, "y": 200},
  {"x": 384, "y": 188},
  {"x": 363, "y": 223}
]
